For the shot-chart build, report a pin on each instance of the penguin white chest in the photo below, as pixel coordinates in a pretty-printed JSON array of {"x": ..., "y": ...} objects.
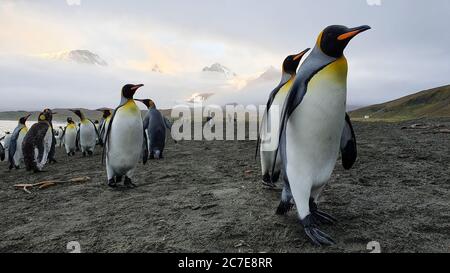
[
  {"x": 314, "y": 129},
  {"x": 87, "y": 134},
  {"x": 126, "y": 139}
]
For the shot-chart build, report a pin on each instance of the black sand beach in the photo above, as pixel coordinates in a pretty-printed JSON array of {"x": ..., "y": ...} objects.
[{"x": 207, "y": 197}]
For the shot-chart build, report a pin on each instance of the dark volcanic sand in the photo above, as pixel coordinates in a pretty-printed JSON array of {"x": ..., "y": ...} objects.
[{"x": 207, "y": 197}]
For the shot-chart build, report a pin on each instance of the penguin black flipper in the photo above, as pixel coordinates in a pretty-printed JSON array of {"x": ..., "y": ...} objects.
[
  {"x": 77, "y": 139},
  {"x": 64, "y": 132},
  {"x": 293, "y": 100},
  {"x": 108, "y": 131},
  {"x": 349, "y": 151},
  {"x": 100, "y": 142},
  {"x": 145, "y": 152},
  {"x": 272, "y": 96},
  {"x": 2, "y": 152}
]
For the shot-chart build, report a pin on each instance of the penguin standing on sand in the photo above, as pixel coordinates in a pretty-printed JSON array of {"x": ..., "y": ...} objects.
[
  {"x": 125, "y": 139},
  {"x": 266, "y": 144},
  {"x": 69, "y": 137},
  {"x": 52, "y": 153},
  {"x": 156, "y": 125},
  {"x": 314, "y": 127},
  {"x": 104, "y": 122},
  {"x": 88, "y": 134},
  {"x": 15, "y": 148},
  {"x": 37, "y": 144}
]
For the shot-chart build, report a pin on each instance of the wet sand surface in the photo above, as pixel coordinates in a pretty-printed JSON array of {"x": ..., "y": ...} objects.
[{"x": 207, "y": 197}]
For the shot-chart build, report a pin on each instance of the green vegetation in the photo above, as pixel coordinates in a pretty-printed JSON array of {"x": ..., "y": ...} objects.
[{"x": 433, "y": 103}]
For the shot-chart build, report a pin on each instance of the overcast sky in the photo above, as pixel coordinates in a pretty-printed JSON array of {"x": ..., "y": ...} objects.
[{"x": 407, "y": 50}]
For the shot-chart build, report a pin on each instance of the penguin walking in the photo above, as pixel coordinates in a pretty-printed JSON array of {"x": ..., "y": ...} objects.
[
  {"x": 15, "y": 147},
  {"x": 69, "y": 137},
  {"x": 104, "y": 122},
  {"x": 88, "y": 134},
  {"x": 155, "y": 124},
  {"x": 37, "y": 144},
  {"x": 314, "y": 127},
  {"x": 125, "y": 140},
  {"x": 266, "y": 144}
]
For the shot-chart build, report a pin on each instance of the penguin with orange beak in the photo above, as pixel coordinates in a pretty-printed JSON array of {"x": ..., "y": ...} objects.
[
  {"x": 125, "y": 139},
  {"x": 314, "y": 128}
]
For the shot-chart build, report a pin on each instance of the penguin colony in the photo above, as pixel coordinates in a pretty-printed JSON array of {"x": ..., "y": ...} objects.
[{"x": 304, "y": 128}]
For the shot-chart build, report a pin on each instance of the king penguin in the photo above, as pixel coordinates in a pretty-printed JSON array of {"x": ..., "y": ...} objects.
[
  {"x": 156, "y": 125},
  {"x": 88, "y": 134},
  {"x": 15, "y": 148},
  {"x": 266, "y": 144},
  {"x": 37, "y": 144},
  {"x": 52, "y": 153},
  {"x": 69, "y": 137},
  {"x": 313, "y": 129},
  {"x": 125, "y": 140},
  {"x": 104, "y": 122}
]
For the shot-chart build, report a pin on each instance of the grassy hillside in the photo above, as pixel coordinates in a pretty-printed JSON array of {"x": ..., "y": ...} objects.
[{"x": 430, "y": 103}]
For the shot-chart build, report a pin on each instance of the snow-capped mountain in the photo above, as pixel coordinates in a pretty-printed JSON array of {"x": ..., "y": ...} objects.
[
  {"x": 77, "y": 56},
  {"x": 199, "y": 97},
  {"x": 218, "y": 68},
  {"x": 270, "y": 74}
]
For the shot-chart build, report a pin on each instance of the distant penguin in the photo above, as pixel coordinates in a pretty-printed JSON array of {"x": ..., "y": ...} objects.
[
  {"x": 104, "y": 122},
  {"x": 69, "y": 137},
  {"x": 312, "y": 131},
  {"x": 277, "y": 97},
  {"x": 59, "y": 136},
  {"x": 52, "y": 153},
  {"x": 125, "y": 139},
  {"x": 155, "y": 124},
  {"x": 6, "y": 141},
  {"x": 88, "y": 134},
  {"x": 15, "y": 148},
  {"x": 37, "y": 144}
]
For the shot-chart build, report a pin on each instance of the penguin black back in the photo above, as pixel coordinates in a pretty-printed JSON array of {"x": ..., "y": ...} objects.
[{"x": 35, "y": 139}]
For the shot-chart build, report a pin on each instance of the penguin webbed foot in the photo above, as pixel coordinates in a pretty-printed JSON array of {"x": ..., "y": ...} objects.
[
  {"x": 128, "y": 183},
  {"x": 316, "y": 236},
  {"x": 267, "y": 181},
  {"x": 284, "y": 207},
  {"x": 320, "y": 216},
  {"x": 112, "y": 183}
]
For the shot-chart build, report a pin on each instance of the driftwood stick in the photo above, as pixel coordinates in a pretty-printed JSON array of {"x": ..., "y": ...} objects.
[{"x": 50, "y": 183}]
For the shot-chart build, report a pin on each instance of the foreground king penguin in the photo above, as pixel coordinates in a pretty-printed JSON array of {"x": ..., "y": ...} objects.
[
  {"x": 38, "y": 143},
  {"x": 314, "y": 127},
  {"x": 125, "y": 139},
  {"x": 15, "y": 147},
  {"x": 268, "y": 140}
]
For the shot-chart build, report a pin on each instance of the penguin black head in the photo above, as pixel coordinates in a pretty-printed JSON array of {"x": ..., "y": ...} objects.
[
  {"x": 70, "y": 120},
  {"x": 44, "y": 116},
  {"x": 22, "y": 120},
  {"x": 291, "y": 62},
  {"x": 96, "y": 122},
  {"x": 129, "y": 90},
  {"x": 148, "y": 102},
  {"x": 106, "y": 113},
  {"x": 78, "y": 113},
  {"x": 334, "y": 39},
  {"x": 49, "y": 114}
]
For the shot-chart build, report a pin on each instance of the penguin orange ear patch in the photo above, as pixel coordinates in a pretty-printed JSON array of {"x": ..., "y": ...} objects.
[{"x": 41, "y": 117}]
